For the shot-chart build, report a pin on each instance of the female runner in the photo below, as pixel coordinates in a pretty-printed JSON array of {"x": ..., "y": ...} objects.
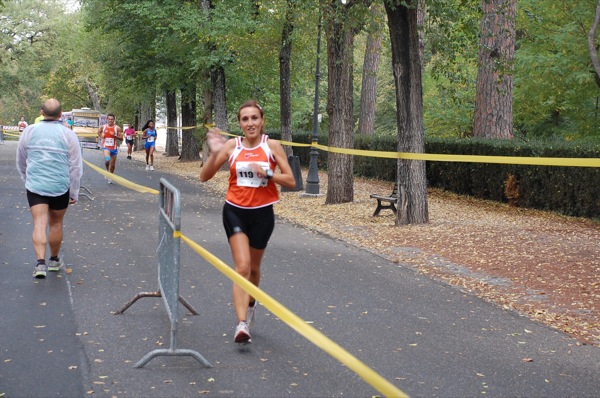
[{"x": 248, "y": 215}]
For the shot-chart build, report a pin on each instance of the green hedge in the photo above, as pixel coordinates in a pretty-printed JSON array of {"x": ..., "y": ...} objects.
[{"x": 573, "y": 191}]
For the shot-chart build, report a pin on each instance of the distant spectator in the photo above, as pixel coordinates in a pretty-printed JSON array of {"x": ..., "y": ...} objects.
[{"x": 22, "y": 124}]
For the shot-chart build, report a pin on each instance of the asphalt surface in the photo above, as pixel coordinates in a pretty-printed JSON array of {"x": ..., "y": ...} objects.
[{"x": 59, "y": 337}]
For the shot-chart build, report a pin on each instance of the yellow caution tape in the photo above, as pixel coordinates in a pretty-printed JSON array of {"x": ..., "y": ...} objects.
[
  {"x": 578, "y": 162},
  {"x": 122, "y": 181},
  {"x": 289, "y": 143},
  {"x": 181, "y": 128},
  {"x": 533, "y": 161},
  {"x": 299, "y": 325}
]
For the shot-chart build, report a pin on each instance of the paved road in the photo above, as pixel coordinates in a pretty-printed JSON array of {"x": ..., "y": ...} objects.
[{"x": 60, "y": 338}]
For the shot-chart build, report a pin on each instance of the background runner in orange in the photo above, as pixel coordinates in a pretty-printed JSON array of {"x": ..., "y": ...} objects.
[{"x": 109, "y": 134}]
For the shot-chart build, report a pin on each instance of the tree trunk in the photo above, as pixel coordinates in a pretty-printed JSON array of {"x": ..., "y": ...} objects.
[
  {"x": 172, "y": 136},
  {"x": 340, "y": 40},
  {"x": 411, "y": 177},
  {"x": 93, "y": 93},
  {"x": 217, "y": 77},
  {"x": 368, "y": 94},
  {"x": 592, "y": 43},
  {"x": 208, "y": 114},
  {"x": 147, "y": 108},
  {"x": 190, "y": 145},
  {"x": 208, "y": 100},
  {"x": 493, "y": 117},
  {"x": 421, "y": 12},
  {"x": 285, "y": 97}
]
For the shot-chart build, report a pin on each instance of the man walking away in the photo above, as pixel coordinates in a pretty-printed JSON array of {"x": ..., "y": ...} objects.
[{"x": 49, "y": 161}]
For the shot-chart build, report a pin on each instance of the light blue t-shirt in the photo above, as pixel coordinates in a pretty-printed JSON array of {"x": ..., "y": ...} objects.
[{"x": 49, "y": 159}]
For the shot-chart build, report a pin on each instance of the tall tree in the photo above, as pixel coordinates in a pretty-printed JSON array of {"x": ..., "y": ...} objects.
[
  {"x": 147, "y": 107},
  {"x": 219, "y": 97},
  {"x": 592, "y": 48},
  {"x": 285, "y": 54},
  {"x": 411, "y": 177},
  {"x": 217, "y": 73},
  {"x": 368, "y": 93},
  {"x": 172, "y": 148},
  {"x": 339, "y": 32},
  {"x": 493, "y": 116},
  {"x": 190, "y": 144},
  {"x": 29, "y": 30}
]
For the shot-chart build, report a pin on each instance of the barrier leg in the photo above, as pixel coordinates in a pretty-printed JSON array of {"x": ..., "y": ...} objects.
[
  {"x": 138, "y": 296},
  {"x": 170, "y": 352}
]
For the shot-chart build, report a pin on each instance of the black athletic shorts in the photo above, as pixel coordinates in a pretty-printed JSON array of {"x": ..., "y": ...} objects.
[
  {"x": 257, "y": 224},
  {"x": 54, "y": 202}
]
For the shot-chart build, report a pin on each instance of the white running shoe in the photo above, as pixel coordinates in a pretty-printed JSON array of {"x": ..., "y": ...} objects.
[
  {"x": 147, "y": 167},
  {"x": 251, "y": 313},
  {"x": 151, "y": 168},
  {"x": 55, "y": 266},
  {"x": 242, "y": 333},
  {"x": 40, "y": 271}
]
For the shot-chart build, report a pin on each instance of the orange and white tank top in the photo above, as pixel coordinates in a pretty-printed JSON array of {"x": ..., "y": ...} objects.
[
  {"x": 110, "y": 134},
  {"x": 245, "y": 188}
]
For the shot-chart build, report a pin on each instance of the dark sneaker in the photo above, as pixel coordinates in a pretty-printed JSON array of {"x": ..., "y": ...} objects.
[
  {"x": 55, "y": 266},
  {"x": 40, "y": 271},
  {"x": 242, "y": 333},
  {"x": 251, "y": 313}
]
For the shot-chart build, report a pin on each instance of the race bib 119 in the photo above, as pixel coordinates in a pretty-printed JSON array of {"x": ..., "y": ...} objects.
[{"x": 247, "y": 178}]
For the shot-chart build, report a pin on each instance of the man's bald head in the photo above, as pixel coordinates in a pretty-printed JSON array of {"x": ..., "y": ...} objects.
[{"x": 52, "y": 109}]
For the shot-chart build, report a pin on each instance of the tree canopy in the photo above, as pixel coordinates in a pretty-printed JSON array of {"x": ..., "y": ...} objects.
[{"x": 115, "y": 54}]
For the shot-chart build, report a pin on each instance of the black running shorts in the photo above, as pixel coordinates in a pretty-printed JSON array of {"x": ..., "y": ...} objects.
[
  {"x": 257, "y": 224},
  {"x": 54, "y": 202}
]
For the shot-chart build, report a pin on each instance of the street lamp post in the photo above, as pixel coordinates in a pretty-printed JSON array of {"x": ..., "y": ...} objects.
[{"x": 312, "y": 179}]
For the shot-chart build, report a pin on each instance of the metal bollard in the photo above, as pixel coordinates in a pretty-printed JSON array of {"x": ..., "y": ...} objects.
[{"x": 295, "y": 165}]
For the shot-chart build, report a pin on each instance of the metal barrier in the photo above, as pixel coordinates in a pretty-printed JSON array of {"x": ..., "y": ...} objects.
[
  {"x": 168, "y": 272},
  {"x": 83, "y": 187}
]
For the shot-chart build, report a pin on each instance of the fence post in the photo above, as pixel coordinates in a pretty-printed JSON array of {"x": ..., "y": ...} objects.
[{"x": 82, "y": 187}]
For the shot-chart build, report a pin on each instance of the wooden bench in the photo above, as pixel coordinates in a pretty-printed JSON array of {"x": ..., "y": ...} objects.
[{"x": 392, "y": 199}]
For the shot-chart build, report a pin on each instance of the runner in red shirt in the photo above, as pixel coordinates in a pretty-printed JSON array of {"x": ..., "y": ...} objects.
[
  {"x": 109, "y": 134},
  {"x": 22, "y": 124}
]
